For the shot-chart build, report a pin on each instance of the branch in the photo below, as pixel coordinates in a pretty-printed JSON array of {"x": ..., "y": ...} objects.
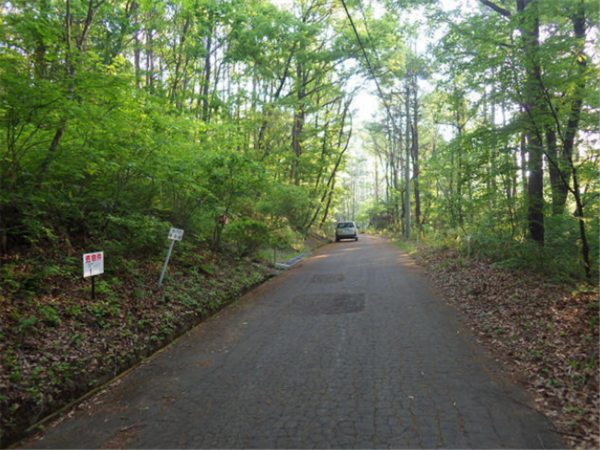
[{"x": 504, "y": 12}]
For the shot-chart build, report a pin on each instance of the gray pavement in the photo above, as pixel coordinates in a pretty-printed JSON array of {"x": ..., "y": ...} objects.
[{"x": 349, "y": 349}]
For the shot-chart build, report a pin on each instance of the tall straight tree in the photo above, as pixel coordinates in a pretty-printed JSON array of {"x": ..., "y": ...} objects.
[{"x": 531, "y": 101}]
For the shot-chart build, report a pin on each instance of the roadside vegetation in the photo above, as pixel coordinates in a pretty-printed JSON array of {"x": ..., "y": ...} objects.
[
  {"x": 543, "y": 328},
  {"x": 58, "y": 344},
  {"x": 121, "y": 120}
]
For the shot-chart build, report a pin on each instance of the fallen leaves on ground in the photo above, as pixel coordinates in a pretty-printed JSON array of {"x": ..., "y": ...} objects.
[
  {"x": 545, "y": 332},
  {"x": 56, "y": 343}
]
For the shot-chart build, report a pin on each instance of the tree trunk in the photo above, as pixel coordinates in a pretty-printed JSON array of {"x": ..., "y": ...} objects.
[
  {"x": 407, "y": 162},
  {"x": 177, "y": 76},
  {"x": 415, "y": 154},
  {"x": 523, "y": 155},
  {"x": 298, "y": 124},
  {"x": 535, "y": 212},
  {"x": 136, "y": 56},
  {"x": 267, "y": 112},
  {"x": 578, "y": 19},
  {"x": 45, "y": 166},
  {"x": 149, "y": 59},
  {"x": 376, "y": 183},
  {"x": 205, "y": 116},
  {"x": 555, "y": 164},
  {"x": 532, "y": 98},
  {"x": 328, "y": 193}
]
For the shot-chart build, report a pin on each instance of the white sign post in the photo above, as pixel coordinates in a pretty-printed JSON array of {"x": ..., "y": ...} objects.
[
  {"x": 469, "y": 245},
  {"x": 175, "y": 234},
  {"x": 93, "y": 264}
]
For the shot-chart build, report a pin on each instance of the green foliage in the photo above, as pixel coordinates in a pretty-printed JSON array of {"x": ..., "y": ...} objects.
[
  {"x": 407, "y": 247},
  {"x": 27, "y": 323},
  {"x": 285, "y": 204},
  {"x": 246, "y": 236},
  {"x": 285, "y": 238},
  {"x": 483, "y": 168},
  {"x": 98, "y": 150},
  {"x": 141, "y": 233},
  {"x": 74, "y": 311},
  {"x": 49, "y": 315}
]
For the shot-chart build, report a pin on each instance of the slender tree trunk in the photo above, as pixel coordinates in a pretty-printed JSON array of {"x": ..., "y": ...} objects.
[
  {"x": 298, "y": 123},
  {"x": 328, "y": 193},
  {"x": 523, "y": 152},
  {"x": 267, "y": 112},
  {"x": 407, "y": 162},
  {"x": 45, "y": 166},
  {"x": 459, "y": 187},
  {"x": 376, "y": 182},
  {"x": 136, "y": 57},
  {"x": 579, "y": 27},
  {"x": 177, "y": 76},
  {"x": 207, "y": 75},
  {"x": 415, "y": 153},
  {"x": 149, "y": 59},
  {"x": 80, "y": 42},
  {"x": 532, "y": 98},
  {"x": 328, "y": 205},
  {"x": 555, "y": 164}
]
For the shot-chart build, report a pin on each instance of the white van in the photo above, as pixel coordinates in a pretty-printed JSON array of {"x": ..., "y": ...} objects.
[{"x": 346, "y": 230}]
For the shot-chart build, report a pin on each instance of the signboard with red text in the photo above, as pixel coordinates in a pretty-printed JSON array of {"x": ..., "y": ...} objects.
[{"x": 93, "y": 264}]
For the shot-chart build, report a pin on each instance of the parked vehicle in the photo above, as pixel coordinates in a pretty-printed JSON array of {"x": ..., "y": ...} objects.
[{"x": 346, "y": 230}]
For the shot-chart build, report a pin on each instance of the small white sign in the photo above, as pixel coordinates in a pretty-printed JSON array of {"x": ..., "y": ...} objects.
[
  {"x": 93, "y": 264},
  {"x": 176, "y": 234}
]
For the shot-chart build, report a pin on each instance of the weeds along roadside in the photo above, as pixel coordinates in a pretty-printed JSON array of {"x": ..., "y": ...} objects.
[
  {"x": 538, "y": 321},
  {"x": 56, "y": 343}
]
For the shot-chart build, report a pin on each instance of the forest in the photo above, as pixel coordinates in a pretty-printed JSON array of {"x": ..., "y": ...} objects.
[
  {"x": 243, "y": 122},
  {"x": 121, "y": 118}
]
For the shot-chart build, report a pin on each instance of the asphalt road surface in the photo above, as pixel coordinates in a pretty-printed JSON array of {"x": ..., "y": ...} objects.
[{"x": 348, "y": 349}]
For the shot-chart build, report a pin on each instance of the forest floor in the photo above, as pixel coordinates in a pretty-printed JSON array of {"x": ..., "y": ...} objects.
[
  {"x": 546, "y": 333},
  {"x": 58, "y": 344}
]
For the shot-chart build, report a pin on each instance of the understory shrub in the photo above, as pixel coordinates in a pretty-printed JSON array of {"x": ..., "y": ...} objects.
[
  {"x": 246, "y": 236},
  {"x": 138, "y": 232}
]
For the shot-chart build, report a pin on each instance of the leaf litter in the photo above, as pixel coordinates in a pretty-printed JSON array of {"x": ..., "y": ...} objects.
[
  {"x": 546, "y": 333},
  {"x": 57, "y": 344}
]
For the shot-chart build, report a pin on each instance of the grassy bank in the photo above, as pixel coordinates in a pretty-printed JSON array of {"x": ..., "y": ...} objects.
[{"x": 57, "y": 344}]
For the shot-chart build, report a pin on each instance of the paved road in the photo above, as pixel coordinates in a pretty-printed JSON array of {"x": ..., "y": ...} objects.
[{"x": 349, "y": 349}]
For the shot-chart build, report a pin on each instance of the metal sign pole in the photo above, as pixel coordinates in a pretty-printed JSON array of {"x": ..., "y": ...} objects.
[
  {"x": 93, "y": 288},
  {"x": 162, "y": 275},
  {"x": 469, "y": 245}
]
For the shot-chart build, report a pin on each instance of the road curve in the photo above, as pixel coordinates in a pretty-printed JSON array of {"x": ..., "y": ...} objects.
[{"x": 349, "y": 349}]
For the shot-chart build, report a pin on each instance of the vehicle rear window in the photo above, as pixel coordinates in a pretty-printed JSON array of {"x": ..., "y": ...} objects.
[{"x": 345, "y": 225}]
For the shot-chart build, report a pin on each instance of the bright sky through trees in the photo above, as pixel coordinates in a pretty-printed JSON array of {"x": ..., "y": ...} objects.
[{"x": 147, "y": 114}]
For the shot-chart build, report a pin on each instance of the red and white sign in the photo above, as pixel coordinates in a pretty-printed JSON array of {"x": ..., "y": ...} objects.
[{"x": 93, "y": 264}]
